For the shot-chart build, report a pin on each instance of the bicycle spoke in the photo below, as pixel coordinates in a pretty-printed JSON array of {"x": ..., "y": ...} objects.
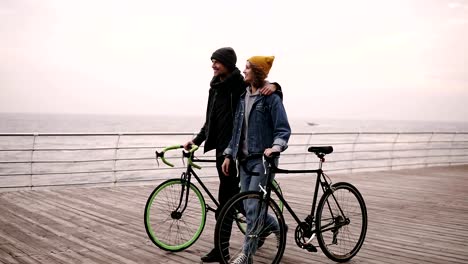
[
  {"x": 171, "y": 223},
  {"x": 260, "y": 227},
  {"x": 342, "y": 222}
]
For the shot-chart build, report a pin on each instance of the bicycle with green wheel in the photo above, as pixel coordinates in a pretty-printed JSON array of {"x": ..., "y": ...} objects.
[
  {"x": 338, "y": 221},
  {"x": 175, "y": 212}
]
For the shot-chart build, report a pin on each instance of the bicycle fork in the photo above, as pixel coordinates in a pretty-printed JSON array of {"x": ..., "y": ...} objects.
[{"x": 184, "y": 195}]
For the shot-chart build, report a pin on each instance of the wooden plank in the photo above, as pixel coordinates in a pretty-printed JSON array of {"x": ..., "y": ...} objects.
[{"x": 415, "y": 216}]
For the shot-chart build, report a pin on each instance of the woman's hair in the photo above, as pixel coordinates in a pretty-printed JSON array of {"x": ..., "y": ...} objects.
[{"x": 259, "y": 76}]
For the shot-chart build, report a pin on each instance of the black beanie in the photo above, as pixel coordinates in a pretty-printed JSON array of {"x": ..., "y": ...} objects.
[{"x": 227, "y": 56}]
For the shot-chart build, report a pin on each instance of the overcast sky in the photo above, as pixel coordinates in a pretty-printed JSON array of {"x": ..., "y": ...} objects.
[{"x": 360, "y": 59}]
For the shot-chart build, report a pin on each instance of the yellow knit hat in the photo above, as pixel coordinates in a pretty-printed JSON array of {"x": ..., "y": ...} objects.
[{"x": 263, "y": 62}]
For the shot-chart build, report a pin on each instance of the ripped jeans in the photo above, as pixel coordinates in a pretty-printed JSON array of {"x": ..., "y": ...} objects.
[{"x": 251, "y": 206}]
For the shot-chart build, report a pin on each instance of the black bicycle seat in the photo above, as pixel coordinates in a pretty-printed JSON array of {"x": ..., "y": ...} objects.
[{"x": 321, "y": 150}]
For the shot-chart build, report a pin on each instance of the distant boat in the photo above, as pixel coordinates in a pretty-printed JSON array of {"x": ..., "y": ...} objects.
[{"x": 312, "y": 124}]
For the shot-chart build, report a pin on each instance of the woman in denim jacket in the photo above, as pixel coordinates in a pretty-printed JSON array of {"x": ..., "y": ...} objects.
[{"x": 260, "y": 127}]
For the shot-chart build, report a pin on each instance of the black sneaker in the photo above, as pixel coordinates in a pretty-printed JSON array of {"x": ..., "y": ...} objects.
[{"x": 213, "y": 256}]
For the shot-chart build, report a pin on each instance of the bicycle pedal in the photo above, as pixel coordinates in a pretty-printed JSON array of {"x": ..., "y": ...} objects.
[{"x": 310, "y": 248}]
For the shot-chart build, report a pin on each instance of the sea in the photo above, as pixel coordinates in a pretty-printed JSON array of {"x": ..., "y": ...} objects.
[{"x": 98, "y": 123}]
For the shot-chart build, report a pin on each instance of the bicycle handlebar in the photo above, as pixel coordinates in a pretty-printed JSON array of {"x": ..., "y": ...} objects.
[{"x": 189, "y": 157}]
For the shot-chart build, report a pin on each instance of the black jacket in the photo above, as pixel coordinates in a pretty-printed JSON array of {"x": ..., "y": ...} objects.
[{"x": 222, "y": 102}]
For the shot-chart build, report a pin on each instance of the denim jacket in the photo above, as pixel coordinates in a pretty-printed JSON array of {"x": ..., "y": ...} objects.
[{"x": 268, "y": 126}]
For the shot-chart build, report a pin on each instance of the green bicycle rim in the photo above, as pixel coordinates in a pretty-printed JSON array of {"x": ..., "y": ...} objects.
[{"x": 196, "y": 234}]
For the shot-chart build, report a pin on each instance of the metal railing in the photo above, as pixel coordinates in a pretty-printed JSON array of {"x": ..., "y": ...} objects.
[{"x": 65, "y": 159}]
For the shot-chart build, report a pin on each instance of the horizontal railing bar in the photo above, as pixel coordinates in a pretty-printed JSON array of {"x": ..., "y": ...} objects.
[
  {"x": 193, "y": 133},
  {"x": 127, "y": 159},
  {"x": 411, "y": 157},
  {"x": 71, "y": 173},
  {"x": 333, "y": 144},
  {"x": 378, "y": 142},
  {"x": 175, "y": 168},
  {"x": 101, "y": 134},
  {"x": 385, "y": 142},
  {"x": 176, "y": 158},
  {"x": 98, "y": 171},
  {"x": 81, "y": 161},
  {"x": 169, "y": 158},
  {"x": 80, "y": 172},
  {"x": 76, "y": 149},
  {"x": 396, "y": 165},
  {"x": 58, "y": 161},
  {"x": 388, "y": 166},
  {"x": 396, "y": 150},
  {"x": 172, "y": 168}
]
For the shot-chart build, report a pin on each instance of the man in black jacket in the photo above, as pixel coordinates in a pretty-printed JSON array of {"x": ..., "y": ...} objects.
[{"x": 226, "y": 87}]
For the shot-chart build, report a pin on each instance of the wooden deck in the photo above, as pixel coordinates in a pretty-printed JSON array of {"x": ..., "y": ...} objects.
[{"x": 415, "y": 216}]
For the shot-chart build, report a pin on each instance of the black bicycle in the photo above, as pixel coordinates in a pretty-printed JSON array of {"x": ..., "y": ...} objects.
[
  {"x": 175, "y": 212},
  {"x": 339, "y": 222}
]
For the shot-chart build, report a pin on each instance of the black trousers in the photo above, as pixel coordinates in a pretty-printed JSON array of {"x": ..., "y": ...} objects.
[{"x": 228, "y": 185}]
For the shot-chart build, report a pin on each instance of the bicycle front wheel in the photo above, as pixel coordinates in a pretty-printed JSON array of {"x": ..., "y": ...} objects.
[
  {"x": 240, "y": 220},
  {"x": 264, "y": 240},
  {"x": 174, "y": 221},
  {"x": 341, "y": 222}
]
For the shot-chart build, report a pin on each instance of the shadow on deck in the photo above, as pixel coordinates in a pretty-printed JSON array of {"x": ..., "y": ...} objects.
[{"x": 415, "y": 216}]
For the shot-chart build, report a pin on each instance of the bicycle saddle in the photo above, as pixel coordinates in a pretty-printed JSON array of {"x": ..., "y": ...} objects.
[{"x": 321, "y": 150}]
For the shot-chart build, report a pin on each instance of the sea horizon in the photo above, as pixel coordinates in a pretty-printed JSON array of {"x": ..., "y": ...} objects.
[{"x": 112, "y": 123}]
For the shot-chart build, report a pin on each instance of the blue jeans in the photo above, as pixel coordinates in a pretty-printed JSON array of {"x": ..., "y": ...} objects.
[{"x": 251, "y": 183}]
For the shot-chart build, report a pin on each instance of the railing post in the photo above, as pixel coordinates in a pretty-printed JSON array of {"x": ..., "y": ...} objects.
[
  {"x": 428, "y": 149},
  {"x": 353, "y": 150},
  {"x": 393, "y": 149},
  {"x": 114, "y": 169},
  {"x": 307, "y": 146},
  {"x": 451, "y": 148},
  {"x": 31, "y": 169}
]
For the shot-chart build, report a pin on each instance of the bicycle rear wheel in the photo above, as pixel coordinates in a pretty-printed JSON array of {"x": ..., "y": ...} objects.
[
  {"x": 172, "y": 222},
  {"x": 341, "y": 222},
  {"x": 232, "y": 242}
]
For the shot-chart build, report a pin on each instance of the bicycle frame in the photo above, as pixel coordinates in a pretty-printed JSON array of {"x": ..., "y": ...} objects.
[
  {"x": 187, "y": 176},
  {"x": 319, "y": 172},
  {"x": 320, "y": 180}
]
